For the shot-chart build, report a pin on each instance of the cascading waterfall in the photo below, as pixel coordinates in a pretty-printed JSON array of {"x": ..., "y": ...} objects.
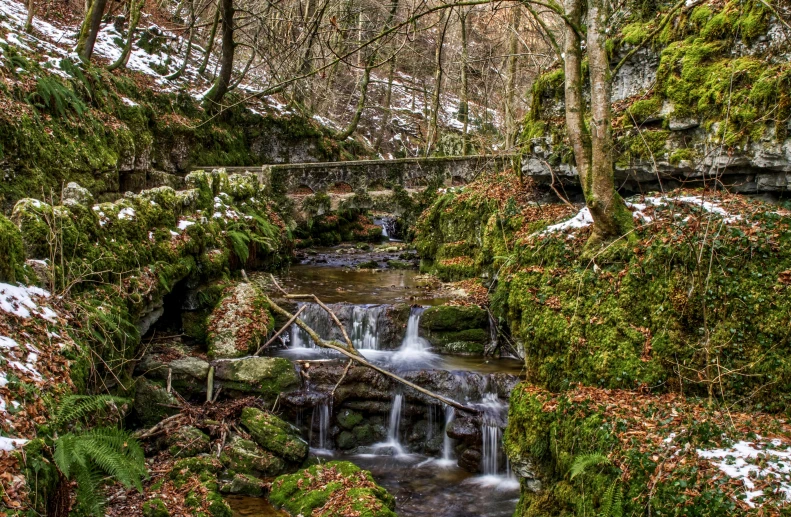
[
  {"x": 363, "y": 324},
  {"x": 492, "y": 436},
  {"x": 414, "y": 349},
  {"x": 393, "y": 431}
]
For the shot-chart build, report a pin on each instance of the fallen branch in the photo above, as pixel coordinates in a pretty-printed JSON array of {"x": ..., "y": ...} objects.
[
  {"x": 355, "y": 356},
  {"x": 345, "y": 371},
  {"x": 320, "y": 304},
  {"x": 277, "y": 334}
]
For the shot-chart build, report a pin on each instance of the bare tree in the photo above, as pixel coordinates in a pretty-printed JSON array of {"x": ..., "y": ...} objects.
[
  {"x": 135, "y": 8},
  {"x": 214, "y": 96},
  {"x": 90, "y": 29}
]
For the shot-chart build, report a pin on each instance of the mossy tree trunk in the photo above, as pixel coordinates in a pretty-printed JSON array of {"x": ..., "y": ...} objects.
[
  {"x": 210, "y": 44},
  {"x": 433, "y": 126},
  {"x": 593, "y": 149},
  {"x": 175, "y": 75},
  {"x": 90, "y": 29},
  {"x": 464, "y": 105},
  {"x": 31, "y": 9},
  {"x": 510, "y": 82},
  {"x": 215, "y": 95},
  {"x": 135, "y": 9}
]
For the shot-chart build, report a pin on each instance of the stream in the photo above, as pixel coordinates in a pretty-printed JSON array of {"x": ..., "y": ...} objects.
[{"x": 434, "y": 462}]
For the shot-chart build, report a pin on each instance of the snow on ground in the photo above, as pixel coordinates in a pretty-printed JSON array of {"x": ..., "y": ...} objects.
[
  {"x": 9, "y": 444},
  {"x": 25, "y": 302},
  {"x": 584, "y": 219},
  {"x": 750, "y": 462}
]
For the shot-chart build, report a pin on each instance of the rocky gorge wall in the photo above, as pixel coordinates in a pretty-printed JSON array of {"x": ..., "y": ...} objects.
[{"x": 704, "y": 102}]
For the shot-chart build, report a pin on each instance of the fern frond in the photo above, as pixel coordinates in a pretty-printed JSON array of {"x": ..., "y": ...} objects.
[
  {"x": 89, "y": 495},
  {"x": 607, "y": 501},
  {"x": 78, "y": 407},
  {"x": 240, "y": 242},
  {"x": 585, "y": 461}
]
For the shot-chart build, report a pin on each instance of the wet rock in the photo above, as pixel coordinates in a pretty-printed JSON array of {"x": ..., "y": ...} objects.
[
  {"x": 346, "y": 440},
  {"x": 454, "y": 329},
  {"x": 470, "y": 459},
  {"x": 187, "y": 441},
  {"x": 302, "y": 398},
  {"x": 524, "y": 467},
  {"x": 348, "y": 419},
  {"x": 275, "y": 435},
  {"x": 239, "y": 323},
  {"x": 246, "y": 457},
  {"x": 242, "y": 484},
  {"x": 185, "y": 371},
  {"x": 268, "y": 376},
  {"x": 466, "y": 430},
  {"x": 153, "y": 403}
]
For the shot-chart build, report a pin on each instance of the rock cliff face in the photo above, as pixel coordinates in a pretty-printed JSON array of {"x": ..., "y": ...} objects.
[{"x": 705, "y": 101}]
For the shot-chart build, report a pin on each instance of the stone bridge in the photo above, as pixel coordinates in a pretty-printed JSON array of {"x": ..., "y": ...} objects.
[{"x": 372, "y": 175}]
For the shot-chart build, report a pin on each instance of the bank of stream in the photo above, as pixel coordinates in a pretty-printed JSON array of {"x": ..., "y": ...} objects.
[{"x": 434, "y": 461}]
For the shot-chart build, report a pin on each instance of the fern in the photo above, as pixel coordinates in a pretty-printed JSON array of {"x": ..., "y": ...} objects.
[
  {"x": 77, "y": 407},
  {"x": 240, "y": 242},
  {"x": 52, "y": 95},
  {"x": 103, "y": 450},
  {"x": 584, "y": 461}
]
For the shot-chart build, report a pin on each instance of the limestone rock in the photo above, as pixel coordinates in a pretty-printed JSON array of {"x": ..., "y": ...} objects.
[
  {"x": 153, "y": 403},
  {"x": 268, "y": 376},
  {"x": 74, "y": 194},
  {"x": 275, "y": 435},
  {"x": 187, "y": 441},
  {"x": 242, "y": 484},
  {"x": 239, "y": 323},
  {"x": 246, "y": 457}
]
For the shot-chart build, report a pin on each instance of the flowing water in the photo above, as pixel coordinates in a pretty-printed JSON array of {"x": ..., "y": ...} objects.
[{"x": 424, "y": 484}]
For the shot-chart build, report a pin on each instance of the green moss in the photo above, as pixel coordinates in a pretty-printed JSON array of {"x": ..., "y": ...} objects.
[
  {"x": 246, "y": 457},
  {"x": 645, "y": 109},
  {"x": 454, "y": 318},
  {"x": 357, "y": 494},
  {"x": 155, "y": 508},
  {"x": 348, "y": 418},
  {"x": 275, "y": 435},
  {"x": 187, "y": 441},
  {"x": 12, "y": 251}
]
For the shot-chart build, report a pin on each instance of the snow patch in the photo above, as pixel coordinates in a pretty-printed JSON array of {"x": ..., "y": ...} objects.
[
  {"x": 9, "y": 444},
  {"x": 21, "y": 301}
]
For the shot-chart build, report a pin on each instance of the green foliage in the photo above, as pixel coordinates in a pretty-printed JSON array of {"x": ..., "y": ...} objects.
[
  {"x": 82, "y": 408},
  {"x": 585, "y": 461},
  {"x": 56, "y": 98},
  {"x": 12, "y": 251}
]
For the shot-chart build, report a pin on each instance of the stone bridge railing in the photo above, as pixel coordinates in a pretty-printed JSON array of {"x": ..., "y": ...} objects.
[{"x": 374, "y": 174}]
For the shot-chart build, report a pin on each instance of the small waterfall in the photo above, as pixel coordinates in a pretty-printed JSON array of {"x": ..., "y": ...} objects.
[
  {"x": 394, "y": 430},
  {"x": 492, "y": 437},
  {"x": 362, "y": 324},
  {"x": 447, "y": 443},
  {"x": 321, "y": 416},
  {"x": 414, "y": 348}
]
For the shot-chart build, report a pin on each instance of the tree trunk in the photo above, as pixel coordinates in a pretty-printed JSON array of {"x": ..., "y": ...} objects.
[
  {"x": 387, "y": 104},
  {"x": 135, "y": 8},
  {"x": 90, "y": 29},
  {"x": 31, "y": 8},
  {"x": 611, "y": 217},
  {"x": 352, "y": 127},
  {"x": 464, "y": 104},
  {"x": 210, "y": 43},
  {"x": 175, "y": 75},
  {"x": 433, "y": 127},
  {"x": 223, "y": 81},
  {"x": 510, "y": 85},
  {"x": 60, "y": 499}
]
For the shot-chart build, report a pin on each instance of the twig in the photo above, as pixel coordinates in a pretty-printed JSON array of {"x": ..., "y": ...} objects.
[
  {"x": 337, "y": 346},
  {"x": 277, "y": 334},
  {"x": 345, "y": 371},
  {"x": 552, "y": 185},
  {"x": 320, "y": 304}
]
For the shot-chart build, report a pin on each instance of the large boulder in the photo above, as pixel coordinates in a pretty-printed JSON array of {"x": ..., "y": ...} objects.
[
  {"x": 187, "y": 374},
  {"x": 187, "y": 441},
  {"x": 275, "y": 435},
  {"x": 267, "y": 376},
  {"x": 246, "y": 457},
  {"x": 242, "y": 484},
  {"x": 335, "y": 489},
  {"x": 239, "y": 323}
]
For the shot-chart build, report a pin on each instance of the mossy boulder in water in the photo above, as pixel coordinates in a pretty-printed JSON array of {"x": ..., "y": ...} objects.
[
  {"x": 267, "y": 376},
  {"x": 242, "y": 484},
  {"x": 239, "y": 323},
  {"x": 246, "y": 457},
  {"x": 334, "y": 489},
  {"x": 275, "y": 435},
  {"x": 456, "y": 329}
]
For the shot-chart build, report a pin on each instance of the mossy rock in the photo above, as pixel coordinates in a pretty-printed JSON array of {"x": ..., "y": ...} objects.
[
  {"x": 204, "y": 468},
  {"x": 275, "y": 435},
  {"x": 187, "y": 441},
  {"x": 239, "y": 323},
  {"x": 370, "y": 264},
  {"x": 463, "y": 348},
  {"x": 13, "y": 252},
  {"x": 267, "y": 376},
  {"x": 346, "y": 440},
  {"x": 348, "y": 419},
  {"x": 153, "y": 403},
  {"x": 242, "y": 484},
  {"x": 336, "y": 489},
  {"x": 246, "y": 457},
  {"x": 155, "y": 508},
  {"x": 451, "y": 317}
]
